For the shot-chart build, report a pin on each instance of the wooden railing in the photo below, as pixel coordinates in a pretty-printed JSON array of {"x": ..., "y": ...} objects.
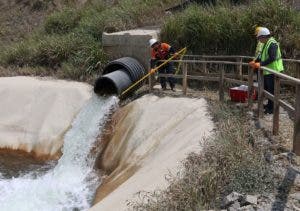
[{"x": 221, "y": 78}]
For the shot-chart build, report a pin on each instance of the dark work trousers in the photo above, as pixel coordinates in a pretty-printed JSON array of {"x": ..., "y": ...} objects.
[
  {"x": 167, "y": 69},
  {"x": 269, "y": 86}
]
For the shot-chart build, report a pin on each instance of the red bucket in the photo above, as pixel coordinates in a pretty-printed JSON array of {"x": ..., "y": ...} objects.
[{"x": 238, "y": 94}]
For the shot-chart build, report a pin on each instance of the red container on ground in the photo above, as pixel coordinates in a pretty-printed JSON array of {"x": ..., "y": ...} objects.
[{"x": 240, "y": 95}]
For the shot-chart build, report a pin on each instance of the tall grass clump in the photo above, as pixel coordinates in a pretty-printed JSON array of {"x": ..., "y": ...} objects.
[
  {"x": 79, "y": 52},
  {"x": 127, "y": 14},
  {"x": 228, "y": 29},
  {"x": 62, "y": 22},
  {"x": 228, "y": 162}
]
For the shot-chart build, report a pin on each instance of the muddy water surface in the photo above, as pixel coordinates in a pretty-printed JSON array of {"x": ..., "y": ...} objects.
[{"x": 17, "y": 163}]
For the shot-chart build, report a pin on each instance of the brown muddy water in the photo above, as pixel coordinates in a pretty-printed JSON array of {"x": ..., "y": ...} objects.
[{"x": 17, "y": 163}]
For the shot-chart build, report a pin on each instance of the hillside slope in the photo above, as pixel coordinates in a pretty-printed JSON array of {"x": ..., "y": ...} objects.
[{"x": 18, "y": 18}]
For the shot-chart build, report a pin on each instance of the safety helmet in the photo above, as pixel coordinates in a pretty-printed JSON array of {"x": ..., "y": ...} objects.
[
  {"x": 263, "y": 32},
  {"x": 257, "y": 30},
  {"x": 152, "y": 42}
]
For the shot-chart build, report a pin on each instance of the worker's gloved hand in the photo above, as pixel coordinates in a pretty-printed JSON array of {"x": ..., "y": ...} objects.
[
  {"x": 256, "y": 65},
  {"x": 152, "y": 71},
  {"x": 176, "y": 56},
  {"x": 251, "y": 63}
]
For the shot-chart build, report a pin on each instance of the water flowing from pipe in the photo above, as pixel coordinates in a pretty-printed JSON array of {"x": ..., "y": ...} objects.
[{"x": 71, "y": 184}]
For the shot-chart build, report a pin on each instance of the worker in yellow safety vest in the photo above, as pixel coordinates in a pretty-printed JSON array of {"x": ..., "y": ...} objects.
[{"x": 270, "y": 57}]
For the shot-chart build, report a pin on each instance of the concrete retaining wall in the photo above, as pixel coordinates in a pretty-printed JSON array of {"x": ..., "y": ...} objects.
[{"x": 133, "y": 43}]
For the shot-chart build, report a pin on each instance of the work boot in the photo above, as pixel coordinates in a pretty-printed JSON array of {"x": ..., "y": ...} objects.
[
  {"x": 173, "y": 88},
  {"x": 268, "y": 111}
]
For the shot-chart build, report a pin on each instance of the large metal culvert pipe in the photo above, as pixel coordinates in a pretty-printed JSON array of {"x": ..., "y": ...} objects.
[{"x": 118, "y": 75}]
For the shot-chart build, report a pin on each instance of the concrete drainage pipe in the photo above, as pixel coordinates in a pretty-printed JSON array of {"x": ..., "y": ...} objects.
[{"x": 118, "y": 75}]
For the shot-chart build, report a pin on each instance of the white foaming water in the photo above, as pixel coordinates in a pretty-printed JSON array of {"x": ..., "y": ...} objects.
[{"x": 72, "y": 183}]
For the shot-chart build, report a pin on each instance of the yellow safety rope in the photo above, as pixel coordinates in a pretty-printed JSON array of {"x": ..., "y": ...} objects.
[
  {"x": 155, "y": 69},
  {"x": 179, "y": 65}
]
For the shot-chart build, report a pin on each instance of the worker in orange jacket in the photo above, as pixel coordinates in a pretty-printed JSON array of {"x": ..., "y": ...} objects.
[{"x": 162, "y": 51}]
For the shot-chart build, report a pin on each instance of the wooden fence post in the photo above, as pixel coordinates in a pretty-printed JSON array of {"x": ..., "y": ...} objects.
[
  {"x": 184, "y": 80},
  {"x": 240, "y": 68},
  {"x": 296, "y": 141},
  {"x": 150, "y": 83},
  {"x": 250, "y": 88},
  {"x": 276, "y": 105},
  {"x": 205, "y": 67},
  {"x": 194, "y": 64},
  {"x": 221, "y": 83},
  {"x": 260, "y": 109}
]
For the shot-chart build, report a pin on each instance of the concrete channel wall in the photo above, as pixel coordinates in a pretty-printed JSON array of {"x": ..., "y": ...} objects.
[{"x": 132, "y": 43}]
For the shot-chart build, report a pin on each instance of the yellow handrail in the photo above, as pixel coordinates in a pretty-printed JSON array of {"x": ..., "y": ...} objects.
[{"x": 154, "y": 70}]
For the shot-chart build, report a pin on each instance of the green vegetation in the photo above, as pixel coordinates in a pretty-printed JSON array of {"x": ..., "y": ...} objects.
[
  {"x": 77, "y": 52},
  {"x": 228, "y": 29},
  {"x": 229, "y": 162},
  {"x": 69, "y": 43},
  {"x": 62, "y": 22}
]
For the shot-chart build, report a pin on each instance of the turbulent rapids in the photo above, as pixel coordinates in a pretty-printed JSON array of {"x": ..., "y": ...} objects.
[{"x": 71, "y": 184}]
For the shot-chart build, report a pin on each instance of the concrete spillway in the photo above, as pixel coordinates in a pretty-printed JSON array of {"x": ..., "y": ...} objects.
[
  {"x": 151, "y": 137},
  {"x": 148, "y": 138},
  {"x": 36, "y": 113},
  {"x": 71, "y": 184}
]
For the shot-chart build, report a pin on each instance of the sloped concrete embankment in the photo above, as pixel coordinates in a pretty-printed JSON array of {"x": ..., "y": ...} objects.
[
  {"x": 36, "y": 113},
  {"x": 147, "y": 139}
]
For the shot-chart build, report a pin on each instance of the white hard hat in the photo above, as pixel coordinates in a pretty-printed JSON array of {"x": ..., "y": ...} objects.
[
  {"x": 152, "y": 42},
  {"x": 263, "y": 31}
]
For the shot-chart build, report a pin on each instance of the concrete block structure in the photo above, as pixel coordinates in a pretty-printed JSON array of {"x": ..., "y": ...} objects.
[{"x": 132, "y": 43}]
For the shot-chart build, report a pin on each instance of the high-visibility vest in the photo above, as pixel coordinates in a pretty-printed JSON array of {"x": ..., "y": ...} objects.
[
  {"x": 277, "y": 64},
  {"x": 258, "y": 50}
]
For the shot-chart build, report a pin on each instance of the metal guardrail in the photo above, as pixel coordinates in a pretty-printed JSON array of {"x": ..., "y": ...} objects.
[{"x": 262, "y": 93}]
